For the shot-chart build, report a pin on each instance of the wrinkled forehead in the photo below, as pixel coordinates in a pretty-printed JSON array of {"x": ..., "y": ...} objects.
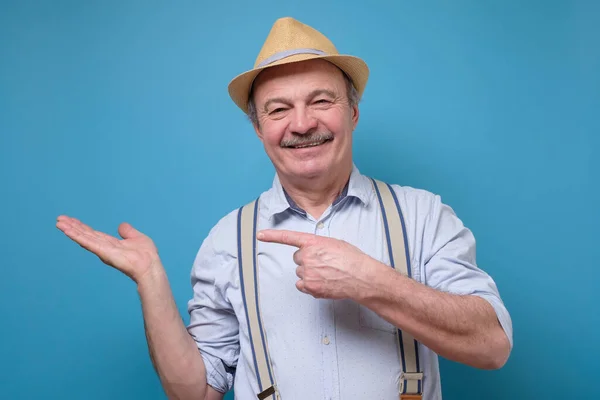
[{"x": 297, "y": 78}]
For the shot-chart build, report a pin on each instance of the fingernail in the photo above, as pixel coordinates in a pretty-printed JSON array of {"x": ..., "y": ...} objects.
[{"x": 260, "y": 235}]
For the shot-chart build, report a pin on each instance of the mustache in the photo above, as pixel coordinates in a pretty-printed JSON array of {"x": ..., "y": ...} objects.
[{"x": 306, "y": 139}]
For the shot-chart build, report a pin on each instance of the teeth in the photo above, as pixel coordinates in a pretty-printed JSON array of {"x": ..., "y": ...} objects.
[{"x": 308, "y": 145}]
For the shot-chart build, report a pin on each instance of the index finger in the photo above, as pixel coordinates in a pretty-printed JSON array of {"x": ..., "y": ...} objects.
[{"x": 297, "y": 239}]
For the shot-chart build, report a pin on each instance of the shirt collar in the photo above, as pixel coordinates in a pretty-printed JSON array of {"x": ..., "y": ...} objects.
[{"x": 276, "y": 200}]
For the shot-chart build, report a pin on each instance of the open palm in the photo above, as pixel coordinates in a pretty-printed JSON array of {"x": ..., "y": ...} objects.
[{"x": 133, "y": 255}]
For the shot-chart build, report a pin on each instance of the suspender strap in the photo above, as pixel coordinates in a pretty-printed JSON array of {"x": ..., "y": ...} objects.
[
  {"x": 411, "y": 380},
  {"x": 250, "y": 293}
]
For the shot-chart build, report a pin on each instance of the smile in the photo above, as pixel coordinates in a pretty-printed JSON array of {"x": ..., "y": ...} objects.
[{"x": 312, "y": 144}]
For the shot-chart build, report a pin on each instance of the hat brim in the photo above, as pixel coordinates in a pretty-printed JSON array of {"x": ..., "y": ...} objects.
[{"x": 354, "y": 67}]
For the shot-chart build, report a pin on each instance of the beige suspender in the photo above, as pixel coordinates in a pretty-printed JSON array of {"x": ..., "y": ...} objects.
[
  {"x": 249, "y": 281},
  {"x": 411, "y": 379}
]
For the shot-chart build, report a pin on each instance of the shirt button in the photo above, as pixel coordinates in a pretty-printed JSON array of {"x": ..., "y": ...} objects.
[
  {"x": 326, "y": 340},
  {"x": 320, "y": 225}
]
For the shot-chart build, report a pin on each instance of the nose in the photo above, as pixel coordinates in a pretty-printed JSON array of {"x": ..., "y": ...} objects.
[{"x": 302, "y": 121}]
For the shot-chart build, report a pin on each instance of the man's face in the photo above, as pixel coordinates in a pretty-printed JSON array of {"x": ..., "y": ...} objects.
[{"x": 304, "y": 118}]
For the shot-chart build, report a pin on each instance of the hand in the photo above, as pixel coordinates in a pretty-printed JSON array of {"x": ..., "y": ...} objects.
[
  {"x": 327, "y": 268},
  {"x": 135, "y": 255}
]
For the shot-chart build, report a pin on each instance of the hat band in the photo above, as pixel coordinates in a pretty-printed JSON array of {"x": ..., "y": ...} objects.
[{"x": 288, "y": 53}]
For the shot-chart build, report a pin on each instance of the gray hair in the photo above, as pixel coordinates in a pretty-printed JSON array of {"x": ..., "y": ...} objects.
[{"x": 351, "y": 92}]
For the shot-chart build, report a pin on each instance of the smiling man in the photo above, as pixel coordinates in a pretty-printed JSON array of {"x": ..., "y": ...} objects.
[{"x": 294, "y": 296}]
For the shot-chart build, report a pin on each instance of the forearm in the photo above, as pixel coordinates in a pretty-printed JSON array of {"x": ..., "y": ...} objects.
[
  {"x": 461, "y": 328},
  {"x": 172, "y": 350}
]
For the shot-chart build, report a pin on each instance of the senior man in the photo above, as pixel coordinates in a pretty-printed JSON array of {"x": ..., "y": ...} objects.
[{"x": 331, "y": 285}]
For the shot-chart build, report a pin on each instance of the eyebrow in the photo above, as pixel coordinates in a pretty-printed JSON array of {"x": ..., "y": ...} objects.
[{"x": 311, "y": 96}]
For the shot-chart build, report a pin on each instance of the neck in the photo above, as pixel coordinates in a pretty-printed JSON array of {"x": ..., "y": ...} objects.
[{"x": 315, "y": 194}]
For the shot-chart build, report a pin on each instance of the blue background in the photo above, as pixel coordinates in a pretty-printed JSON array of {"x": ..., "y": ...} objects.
[{"x": 118, "y": 111}]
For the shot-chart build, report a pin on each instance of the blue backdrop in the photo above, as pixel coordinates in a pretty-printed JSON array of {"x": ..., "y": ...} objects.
[{"x": 118, "y": 111}]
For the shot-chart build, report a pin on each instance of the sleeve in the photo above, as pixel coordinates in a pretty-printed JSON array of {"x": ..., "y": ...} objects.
[
  {"x": 213, "y": 324},
  {"x": 449, "y": 261}
]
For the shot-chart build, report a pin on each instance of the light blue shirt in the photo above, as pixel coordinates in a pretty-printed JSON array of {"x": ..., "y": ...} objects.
[{"x": 320, "y": 348}]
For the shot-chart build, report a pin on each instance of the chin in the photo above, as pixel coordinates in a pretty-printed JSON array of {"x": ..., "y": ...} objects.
[{"x": 310, "y": 170}]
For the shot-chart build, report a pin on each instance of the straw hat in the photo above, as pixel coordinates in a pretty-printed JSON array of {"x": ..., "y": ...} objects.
[{"x": 291, "y": 41}]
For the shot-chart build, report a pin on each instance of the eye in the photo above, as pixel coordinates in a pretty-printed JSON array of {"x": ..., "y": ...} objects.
[
  {"x": 277, "y": 110},
  {"x": 322, "y": 101}
]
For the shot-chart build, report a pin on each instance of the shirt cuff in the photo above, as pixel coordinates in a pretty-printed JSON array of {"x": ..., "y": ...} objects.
[{"x": 217, "y": 375}]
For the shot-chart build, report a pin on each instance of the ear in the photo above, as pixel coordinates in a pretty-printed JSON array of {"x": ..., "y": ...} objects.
[
  {"x": 257, "y": 130},
  {"x": 355, "y": 115}
]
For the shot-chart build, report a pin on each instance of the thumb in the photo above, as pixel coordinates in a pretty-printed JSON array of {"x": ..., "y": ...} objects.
[
  {"x": 129, "y": 232},
  {"x": 301, "y": 286}
]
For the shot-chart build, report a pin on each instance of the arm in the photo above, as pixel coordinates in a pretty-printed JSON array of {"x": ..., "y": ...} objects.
[
  {"x": 461, "y": 328},
  {"x": 173, "y": 352},
  {"x": 457, "y": 310}
]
